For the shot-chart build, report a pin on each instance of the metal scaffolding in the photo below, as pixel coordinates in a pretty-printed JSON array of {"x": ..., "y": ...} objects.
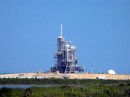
[{"x": 65, "y": 57}]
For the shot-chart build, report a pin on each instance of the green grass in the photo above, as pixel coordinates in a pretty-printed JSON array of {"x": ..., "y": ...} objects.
[
  {"x": 70, "y": 91},
  {"x": 62, "y": 81},
  {"x": 68, "y": 88}
]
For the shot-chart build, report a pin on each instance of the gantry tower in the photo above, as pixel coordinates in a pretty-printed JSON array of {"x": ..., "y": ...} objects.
[{"x": 65, "y": 57}]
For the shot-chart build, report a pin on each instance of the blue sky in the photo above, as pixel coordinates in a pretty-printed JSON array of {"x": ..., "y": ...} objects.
[{"x": 100, "y": 29}]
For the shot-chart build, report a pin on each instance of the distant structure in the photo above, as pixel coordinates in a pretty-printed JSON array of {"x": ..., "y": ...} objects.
[
  {"x": 65, "y": 57},
  {"x": 111, "y": 71}
]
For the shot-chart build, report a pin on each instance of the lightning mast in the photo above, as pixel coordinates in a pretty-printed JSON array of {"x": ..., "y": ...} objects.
[{"x": 61, "y": 30}]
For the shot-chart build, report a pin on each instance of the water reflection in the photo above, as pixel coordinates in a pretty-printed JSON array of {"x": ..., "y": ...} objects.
[{"x": 24, "y": 86}]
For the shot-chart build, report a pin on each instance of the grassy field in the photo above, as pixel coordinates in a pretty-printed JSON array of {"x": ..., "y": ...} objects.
[
  {"x": 67, "y": 88},
  {"x": 62, "y": 81},
  {"x": 68, "y": 91}
]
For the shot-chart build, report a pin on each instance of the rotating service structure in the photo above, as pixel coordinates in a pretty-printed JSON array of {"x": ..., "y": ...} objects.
[{"x": 65, "y": 57}]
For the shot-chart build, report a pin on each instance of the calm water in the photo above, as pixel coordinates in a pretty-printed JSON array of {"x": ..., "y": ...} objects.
[
  {"x": 29, "y": 86},
  {"x": 24, "y": 86}
]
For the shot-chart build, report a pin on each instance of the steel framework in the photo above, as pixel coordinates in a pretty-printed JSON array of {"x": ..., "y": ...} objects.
[{"x": 65, "y": 57}]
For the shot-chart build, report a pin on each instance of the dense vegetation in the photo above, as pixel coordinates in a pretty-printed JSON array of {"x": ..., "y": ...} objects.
[
  {"x": 68, "y": 91},
  {"x": 61, "y": 81},
  {"x": 67, "y": 88}
]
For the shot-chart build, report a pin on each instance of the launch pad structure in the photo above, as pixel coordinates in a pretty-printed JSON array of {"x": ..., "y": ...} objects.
[
  {"x": 65, "y": 57},
  {"x": 65, "y": 66}
]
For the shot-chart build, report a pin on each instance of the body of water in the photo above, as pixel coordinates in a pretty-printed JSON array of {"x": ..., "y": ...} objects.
[{"x": 24, "y": 86}]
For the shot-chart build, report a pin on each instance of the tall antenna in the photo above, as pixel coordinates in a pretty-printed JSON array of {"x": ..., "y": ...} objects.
[{"x": 61, "y": 30}]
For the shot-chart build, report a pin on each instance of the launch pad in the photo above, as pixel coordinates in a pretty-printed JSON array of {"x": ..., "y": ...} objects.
[
  {"x": 65, "y": 57},
  {"x": 65, "y": 66}
]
